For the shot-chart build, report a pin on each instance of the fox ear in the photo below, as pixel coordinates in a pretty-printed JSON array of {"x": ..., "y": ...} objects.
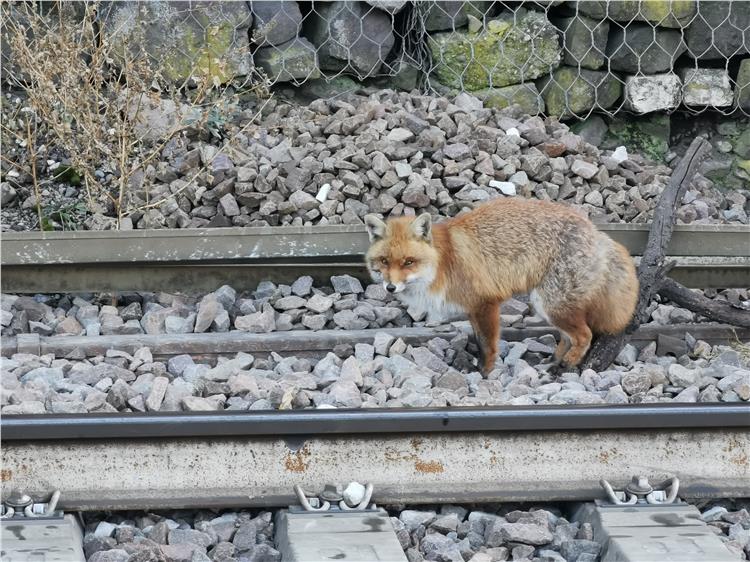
[
  {"x": 422, "y": 227},
  {"x": 375, "y": 227}
]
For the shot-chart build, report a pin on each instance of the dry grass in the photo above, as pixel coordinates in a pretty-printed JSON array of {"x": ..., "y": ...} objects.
[{"x": 97, "y": 105}]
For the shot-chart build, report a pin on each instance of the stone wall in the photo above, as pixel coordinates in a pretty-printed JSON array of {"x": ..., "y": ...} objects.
[{"x": 561, "y": 58}]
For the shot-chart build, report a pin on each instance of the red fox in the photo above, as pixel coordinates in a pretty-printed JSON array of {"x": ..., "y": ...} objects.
[{"x": 579, "y": 279}]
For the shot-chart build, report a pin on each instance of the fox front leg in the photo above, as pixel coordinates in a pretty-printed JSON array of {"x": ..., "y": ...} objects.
[{"x": 485, "y": 320}]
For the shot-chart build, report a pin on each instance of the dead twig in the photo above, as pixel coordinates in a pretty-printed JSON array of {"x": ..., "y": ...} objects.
[
  {"x": 711, "y": 309},
  {"x": 653, "y": 266}
]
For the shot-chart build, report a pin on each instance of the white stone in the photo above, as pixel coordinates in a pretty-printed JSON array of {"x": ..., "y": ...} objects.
[
  {"x": 706, "y": 86},
  {"x": 513, "y": 132},
  {"x": 644, "y": 94},
  {"x": 354, "y": 493},
  {"x": 323, "y": 192},
  {"x": 620, "y": 154},
  {"x": 508, "y": 188}
]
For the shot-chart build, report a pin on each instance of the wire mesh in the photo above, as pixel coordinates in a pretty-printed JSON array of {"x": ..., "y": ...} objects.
[{"x": 568, "y": 59}]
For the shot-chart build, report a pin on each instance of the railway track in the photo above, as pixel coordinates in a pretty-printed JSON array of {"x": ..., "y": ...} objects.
[
  {"x": 705, "y": 256},
  {"x": 416, "y": 456}
]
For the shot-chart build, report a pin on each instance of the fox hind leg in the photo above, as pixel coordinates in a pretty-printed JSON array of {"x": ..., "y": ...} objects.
[
  {"x": 574, "y": 325},
  {"x": 485, "y": 320}
]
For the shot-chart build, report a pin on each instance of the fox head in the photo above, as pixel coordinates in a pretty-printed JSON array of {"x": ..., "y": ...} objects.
[{"x": 401, "y": 251}]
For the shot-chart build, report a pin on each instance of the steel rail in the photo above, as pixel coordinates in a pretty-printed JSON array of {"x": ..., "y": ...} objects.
[
  {"x": 171, "y": 245},
  {"x": 253, "y": 459},
  {"x": 202, "y": 259},
  {"x": 27, "y": 428}
]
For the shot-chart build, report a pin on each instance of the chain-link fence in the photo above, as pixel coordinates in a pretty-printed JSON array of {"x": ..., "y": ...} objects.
[{"x": 567, "y": 59}]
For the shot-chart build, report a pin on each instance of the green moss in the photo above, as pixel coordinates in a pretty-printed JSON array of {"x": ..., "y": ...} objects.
[
  {"x": 501, "y": 55},
  {"x": 573, "y": 92},
  {"x": 648, "y": 136},
  {"x": 67, "y": 174},
  {"x": 668, "y": 13},
  {"x": 526, "y": 96}
]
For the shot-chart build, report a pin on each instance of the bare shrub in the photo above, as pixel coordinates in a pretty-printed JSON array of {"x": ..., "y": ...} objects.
[{"x": 110, "y": 110}]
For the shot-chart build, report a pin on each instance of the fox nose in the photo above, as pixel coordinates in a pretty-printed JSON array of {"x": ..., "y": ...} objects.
[{"x": 390, "y": 287}]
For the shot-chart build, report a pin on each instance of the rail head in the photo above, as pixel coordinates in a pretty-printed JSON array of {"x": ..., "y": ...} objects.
[
  {"x": 319, "y": 242},
  {"x": 328, "y": 423}
]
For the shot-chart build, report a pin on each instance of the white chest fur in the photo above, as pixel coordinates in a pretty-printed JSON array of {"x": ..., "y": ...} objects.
[{"x": 422, "y": 301}]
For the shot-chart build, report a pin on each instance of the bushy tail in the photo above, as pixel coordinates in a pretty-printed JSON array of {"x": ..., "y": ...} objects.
[{"x": 614, "y": 307}]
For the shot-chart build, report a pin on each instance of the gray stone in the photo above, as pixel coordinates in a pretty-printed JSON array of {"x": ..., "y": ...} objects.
[
  {"x": 346, "y": 284},
  {"x": 584, "y": 169},
  {"x": 453, "y": 14},
  {"x": 527, "y": 533},
  {"x": 572, "y": 550},
  {"x": 682, "y": 376},
  {"x": 391, "y": 6},
  {"x": 644, "y": 94},
  {"x": 7, "y": 193},
  {"x": 49, "y": 375},
  {"x": 719, "y": 31},
  {"x": 584, "y": 41},
  {"x": 208, "y": 309},
  {"x": 302, "y": 286},
  {"x": 228, "y": 205},
  {"x": 113, "y": 555},
  {"x": 706, "y": 87},
  {"x": 412, "y": 519},
  {"x": 294, "y": 61},
  {"x": 182, "y": 536},
  {"x": 439, "y": 547},
  {"x": 345, "y": 394},
  {"x": 572, "y": 91},
  {"x": 275, "y": 22},
  {"x": 352, "y": 36},
  {"x": 348, "y": 320},
  {"x": 642, "y": 48},
  {"x": 176, "y": 365},
  {"x": 289, "y": 303},
  {"x": 319, "y": 303},
  {"x": 156, "y": 396},
  {"x": 258, "y": 322}
]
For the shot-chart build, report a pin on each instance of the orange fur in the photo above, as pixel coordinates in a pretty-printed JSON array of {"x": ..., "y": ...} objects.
[{"x": 584, "y": 280}]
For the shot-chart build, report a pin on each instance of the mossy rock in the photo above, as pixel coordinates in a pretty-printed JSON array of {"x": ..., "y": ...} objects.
[
  {"x": 504, "y": 53},
  {"x": 182, "y": 39},
  {"x": 572, "y": 92},
  {"x": 294, "y": 61},
  {"x": 649, "y": 135},
  {"x": 665, "y": 13},
  {"x": 525, "y": 96},
  {"x": 741, "y": 144}
]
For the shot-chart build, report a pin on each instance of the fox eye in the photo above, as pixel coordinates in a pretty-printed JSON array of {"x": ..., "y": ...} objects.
[
  {"x": 408, "y": 262},
  {"x": 384, "y": 261}
]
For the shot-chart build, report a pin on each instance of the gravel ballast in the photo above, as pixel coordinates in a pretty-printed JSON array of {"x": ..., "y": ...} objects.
[
  {"x": 445, "y": 533},
  {"x": 335, "y": 160},
  {"x": 386, "y": 373},
  {"x": 344, "y": 304}
]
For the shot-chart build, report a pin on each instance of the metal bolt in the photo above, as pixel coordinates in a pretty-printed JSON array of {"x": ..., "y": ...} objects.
[
  {"x": 639, "y": 486},
  {"x": 18, "y": 500},
  {"x": 332, "y": 493}
]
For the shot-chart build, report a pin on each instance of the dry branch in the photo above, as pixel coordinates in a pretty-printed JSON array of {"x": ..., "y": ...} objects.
[
  {"x": 711, "y": 309},
  {"x": 653, "y": 268}
]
